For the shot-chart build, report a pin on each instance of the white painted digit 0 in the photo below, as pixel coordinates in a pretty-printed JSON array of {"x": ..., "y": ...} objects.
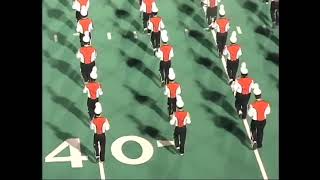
[
  {"x": 147, "y": 150},
  {"x": 75, "y": 154}
]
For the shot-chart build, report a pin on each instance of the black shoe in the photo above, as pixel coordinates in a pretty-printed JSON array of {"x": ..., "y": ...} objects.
[
  {"x": 97, "y": 159},
  {"x": 254, "y": 145},
  {"x": 259, "y": 146}
]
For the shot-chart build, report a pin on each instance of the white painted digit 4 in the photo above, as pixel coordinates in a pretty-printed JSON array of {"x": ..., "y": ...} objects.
[{"x": 75, "y": 154}]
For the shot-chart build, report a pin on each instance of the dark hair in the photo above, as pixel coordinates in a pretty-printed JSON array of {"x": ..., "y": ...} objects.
[
  {"x": 258, "y": 96},
  {"x": 244, "y": 75}
]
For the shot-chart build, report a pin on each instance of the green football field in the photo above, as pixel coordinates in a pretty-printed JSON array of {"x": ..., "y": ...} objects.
[{"x": 217, "y": 145}]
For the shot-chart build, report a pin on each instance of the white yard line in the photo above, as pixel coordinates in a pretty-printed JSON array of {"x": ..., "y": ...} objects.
[
  {"x": 162, "y": 143},
  {"x": 256, "y": 152},
  {"x": 109, "y": 35},
  {"x": 102, "y": 174}
]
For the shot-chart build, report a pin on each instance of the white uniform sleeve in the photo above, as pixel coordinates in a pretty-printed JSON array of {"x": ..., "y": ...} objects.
[
  {"x": 213, "y": 25},
  {"x": 85, "y": 89},
  {"x": 178, "y": 92},
  {"x": 76, "y": 5},
  {"x": 166, "y": 91},
  {"x": 161, "y": 25},
  {"x": 88, "y": 4},
  {"x": 154, "y": 7},
  {"x": 106, "y": 126},
  {"x": 159, "y": 54},
  {"x": 93, "y": 127},
  {"x": 267, "y": 111},
  {"x": 251, "y": 86},
  {"x": 143, "y": 7},
  {"x": 188, "y": 119},
  {"x": 94, "y": 55},
  {"x": 79, "y": 28},
  {"x": 150, "y": 25},
  {"x": 252, "y": 112},
  {"x": 237, "y": 87},
  {"x": 239, "y": 53},
  {"x": 227, "y": 26},
  {"x": 171, "y": 54},
  {"x": 90, "y": 27},
  {"x": 173, "y": 120},
  {"x": 99, "y": 92},
  {"x": 225, "y": 51}
]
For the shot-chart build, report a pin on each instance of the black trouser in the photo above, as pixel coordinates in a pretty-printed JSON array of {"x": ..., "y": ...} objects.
[
  {"x": 91, "y": 103},
  {"x": 221, "y": 41},
  {"x": 79, "y": 16},
  {"x": 257, "y": 131},
  {"x": 274, "y": 11},
  {"x": 86, "y": 70},
  {"x": 164, "y": 70},
  {"x": 232, "y": 68},
  {"x": 155, "y": 39},
  {"x": 172, "y": 107},
  {"x": 211, "y": 13},
  {"x": 81, "y": 38},
  {"x": 180, "y": 133},
  {"x": 146, "y": 17},
  {"x": 242, "y": 103},
  {"x": 101, "y": 138}
]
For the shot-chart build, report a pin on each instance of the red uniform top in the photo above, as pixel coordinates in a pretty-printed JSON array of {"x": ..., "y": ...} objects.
[
  {"x": 87, "y": 51},
  {"x": 100, "y": 124},
  {"x": 148, "y": 5},
  {"x": 260, "y": 107},
  {"x": 166, "y": 49},
  {"x": 181, "y": 115},
  {"x": 85, "y": 24},
  {"x": 93, "y": 87},
  {"x": 245, "y": 84},
  {"x": 173, "y": 89},
  {"x": 233, "y": 50},
  {"x": 155, "y": 22},
  {"x": 222, "y": 23}
]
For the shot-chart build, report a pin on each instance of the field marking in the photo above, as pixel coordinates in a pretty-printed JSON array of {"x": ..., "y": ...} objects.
[
  {"x": 162, "y": 143},
  {"x": 109, "y": 35},
  {"x": 76, "y": 34},
  {"x": 102, "y": 174},
  {"x": 239, "y": 30},
  {"x": 135, "y": 34},
  {"x": 101, "y": 168},
  {"x": 256, "y": 152},
  {"x": 55, "y": 38},
  {"x": 214, "y": 35}
]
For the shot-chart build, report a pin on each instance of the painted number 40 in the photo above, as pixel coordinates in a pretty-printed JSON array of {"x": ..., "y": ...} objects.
[{"x": 75, "y": 154}]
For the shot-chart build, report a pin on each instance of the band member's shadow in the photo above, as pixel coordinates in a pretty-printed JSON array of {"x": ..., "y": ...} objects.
[
  {"x": 137, "y": 64},
  {"x": 60, "y": 16},
  {"x": 68, "y": 105},
  {"x": 200, "y": 37},
  {"x": 65, "y": 135},
  {"x": 217, "y": 98},
  {"x": 229, "y": 125},
  {"x": 209, "y": 64},
  {"x": 266, "y": 32},
  {"x": 130, "y": 36},
  {"x": 62, "y": 39},
  {"x": 152, "y": 132},
  {"x": 64, "y": 68},
  {"x": 149, "y": 102}
]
